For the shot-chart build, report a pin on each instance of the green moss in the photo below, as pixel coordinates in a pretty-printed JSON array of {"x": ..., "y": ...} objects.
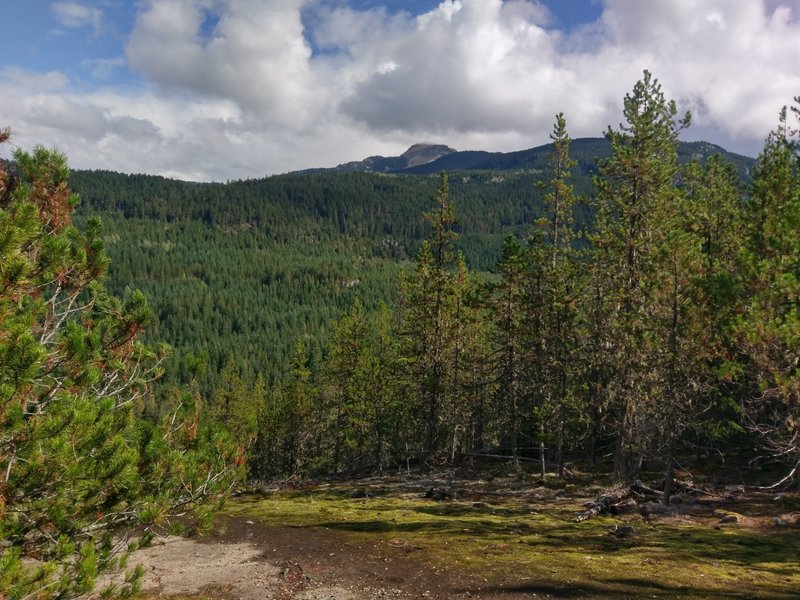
[{"x": 518, "y": 543}]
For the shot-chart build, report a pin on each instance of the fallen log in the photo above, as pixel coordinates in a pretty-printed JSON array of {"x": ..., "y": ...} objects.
[
  {"x": 680, "y": 486},
  {"x": 618, "y": 500}
]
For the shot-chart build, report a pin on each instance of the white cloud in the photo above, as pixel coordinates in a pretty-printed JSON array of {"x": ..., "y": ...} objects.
[
  {"x": 730, "y": 58},
  {"x": 50, "y": 81},
  {"x": 237, "y": 88},
  {"x": 74, "y": 15},
  {"x": 476, "y": 66},
  {"x": 101, "y": 68},
  {"x": 256, "y": 55}
]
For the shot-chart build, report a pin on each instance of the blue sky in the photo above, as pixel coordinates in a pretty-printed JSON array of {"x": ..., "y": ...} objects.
[
  {"x": 40, "y": 40},
  {"x": 221, "y": 89}
]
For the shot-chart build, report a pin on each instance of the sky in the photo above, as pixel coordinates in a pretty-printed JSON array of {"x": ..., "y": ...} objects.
[{"x": 228, "y": 89}]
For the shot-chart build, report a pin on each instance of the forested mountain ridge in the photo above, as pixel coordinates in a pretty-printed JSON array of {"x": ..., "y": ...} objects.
[
  {"x": 585, "y": 151},
  {"x": 246, "y": 268},
  {"x": 240, "y": 270}
]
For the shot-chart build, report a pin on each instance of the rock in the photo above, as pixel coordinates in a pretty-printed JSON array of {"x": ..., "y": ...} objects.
[
  {"x": 737, "y": 489},
  {"x": 729, "y": 519},
  {"x": 624, "y": 531},
  {"x": 778, "y": 522},
  {"x": 438, "y": 495}
]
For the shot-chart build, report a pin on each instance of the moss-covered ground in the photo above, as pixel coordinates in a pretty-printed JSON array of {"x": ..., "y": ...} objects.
[{"x": 519, "y": 538}]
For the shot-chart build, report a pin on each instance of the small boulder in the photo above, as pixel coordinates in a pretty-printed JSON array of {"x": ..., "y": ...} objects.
[
  {"x": 438, "y": 495},
  {"x": 624, "y": 531},
  {"x": 778, "y": 522},
  {"x": 729, "y": 519}
]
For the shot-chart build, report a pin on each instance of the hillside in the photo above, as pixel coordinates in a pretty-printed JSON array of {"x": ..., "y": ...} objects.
[
  {"x": 241, "y": 270},
  {"x": 586, "y": 151}
]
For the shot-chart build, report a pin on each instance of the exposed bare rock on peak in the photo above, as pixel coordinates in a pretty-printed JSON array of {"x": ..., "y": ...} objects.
[
  {"x": 416, "y": 156},
  {"x": 422, "y": 154}
]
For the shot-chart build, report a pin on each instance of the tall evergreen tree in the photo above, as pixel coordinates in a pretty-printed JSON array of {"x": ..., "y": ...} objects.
[
  {"x": 508, "y": 358},
  {"x": 634, "y": 186},
  {"x": 563, "y": 277},
  {"x": 715, "y": 215},
  {"x": 235, "y": 405},
  {"x": 341, "y": 389},
  {"x": 297, "y": 407},
  {"x": 768, "y": 330},
  {"x": 357, "y": 391},
  {"x": 427, "y": 311}
]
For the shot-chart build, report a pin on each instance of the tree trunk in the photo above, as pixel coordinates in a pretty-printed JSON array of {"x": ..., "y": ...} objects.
[
  {"x": 560, "y": 451},
  {"x": 542, "y": 450},
  {"x": 670, "y": 473}
]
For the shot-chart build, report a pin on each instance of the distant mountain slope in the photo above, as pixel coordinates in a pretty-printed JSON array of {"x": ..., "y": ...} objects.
[
  {"x": 426, "y": 159},
  {"x": 416, "y": 155},
  {"x": 585, "y": 150}
]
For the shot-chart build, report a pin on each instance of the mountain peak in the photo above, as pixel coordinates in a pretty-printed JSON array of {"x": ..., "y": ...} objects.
[{"x": 421, "y": 154}]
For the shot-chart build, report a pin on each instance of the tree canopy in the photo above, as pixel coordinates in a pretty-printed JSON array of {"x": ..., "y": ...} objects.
[{"x": 80, "y": 470}]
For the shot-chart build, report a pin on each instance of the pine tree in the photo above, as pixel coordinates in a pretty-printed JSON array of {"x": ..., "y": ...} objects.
[
  {"x": 768, "y": 330},
  {"x": 427, "y": 310},
  {"x": 384, "y": 414},
  {"x": 634, "y": 185},
  {"x": 715, "y": 215},
  {"x": 79, "y": 470},
  {"x": 297, "y": 405},
  {"x": 508, "y": 359},
  {"x": 562, "y": 276},
  {"x": 682, "y": 344},
  {"x": 358, "y": 395},
  {"x": 466, "y": 378},
  {"x": 235, "y": 406}
]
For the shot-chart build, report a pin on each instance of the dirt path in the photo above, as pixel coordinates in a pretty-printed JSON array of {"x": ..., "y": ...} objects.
[{"x": 248, "y": 561}]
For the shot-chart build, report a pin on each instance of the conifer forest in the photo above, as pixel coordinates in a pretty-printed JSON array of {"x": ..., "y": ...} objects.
[{"x": 624, "y": 308}]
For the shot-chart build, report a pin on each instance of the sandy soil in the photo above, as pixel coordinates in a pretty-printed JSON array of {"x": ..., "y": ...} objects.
[{"x": 250, "y": 562}]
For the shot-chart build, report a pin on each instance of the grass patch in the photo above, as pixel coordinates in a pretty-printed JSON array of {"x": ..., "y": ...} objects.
[{"x": 520, "y": 544}]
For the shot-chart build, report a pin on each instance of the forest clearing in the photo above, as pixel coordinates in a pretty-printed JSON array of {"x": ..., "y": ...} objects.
[{"x": 491, "y": 536}]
